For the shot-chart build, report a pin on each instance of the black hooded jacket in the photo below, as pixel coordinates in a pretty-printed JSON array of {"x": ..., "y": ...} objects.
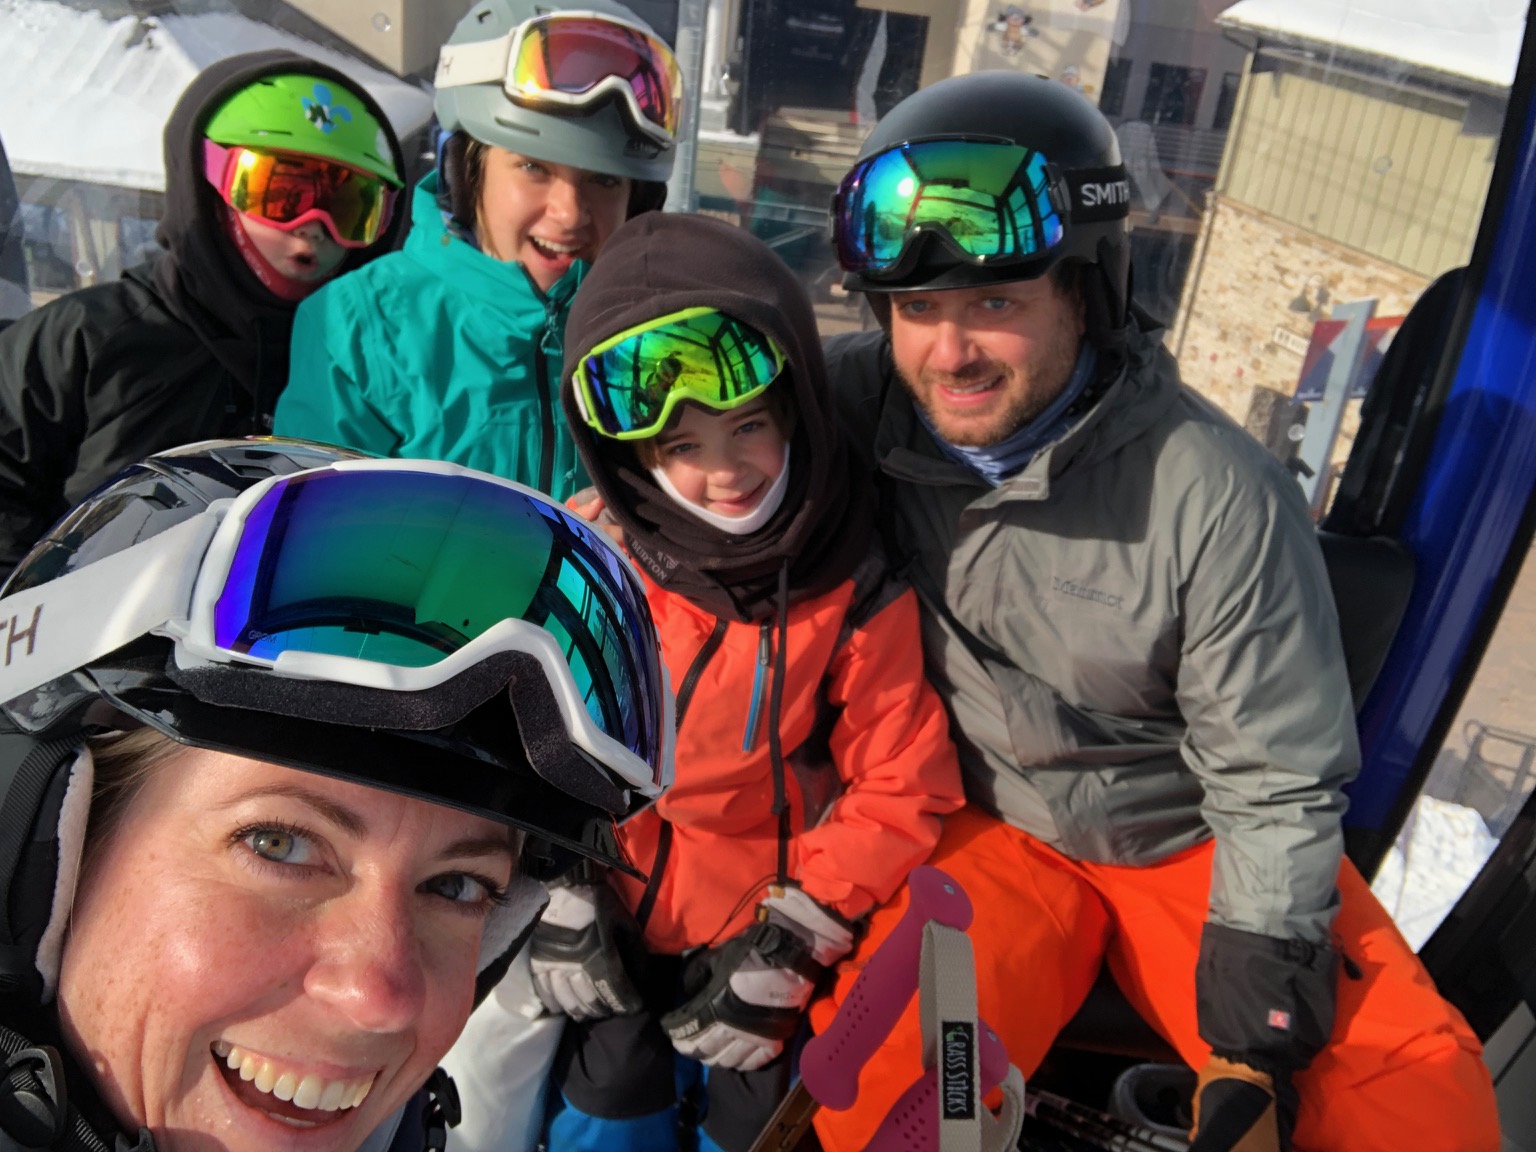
[
  {"x": 187, "y": 347},
  {"x": 657, "y": 264}
]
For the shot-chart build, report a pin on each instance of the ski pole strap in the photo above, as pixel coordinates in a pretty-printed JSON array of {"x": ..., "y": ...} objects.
[
  {"x": 965, "y": 1053},
  {"x": 831, "y": 1062}
]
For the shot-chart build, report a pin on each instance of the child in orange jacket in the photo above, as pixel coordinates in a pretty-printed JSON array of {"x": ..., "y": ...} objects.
[{"x": 813, "y": 760}]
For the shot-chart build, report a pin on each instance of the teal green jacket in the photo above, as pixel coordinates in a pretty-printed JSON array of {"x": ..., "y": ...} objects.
[{"x": 437, "y": 351}]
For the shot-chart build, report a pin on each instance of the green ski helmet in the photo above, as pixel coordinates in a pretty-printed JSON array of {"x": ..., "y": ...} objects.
[
  {"x": 308, "y": 115},
  {"x": 598, "y": 138}
]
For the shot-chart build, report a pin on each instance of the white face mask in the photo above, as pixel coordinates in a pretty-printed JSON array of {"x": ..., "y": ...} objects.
[{"x": 735, "y": 525}]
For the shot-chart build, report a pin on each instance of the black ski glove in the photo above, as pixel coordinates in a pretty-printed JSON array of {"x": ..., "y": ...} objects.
[
  {"x": 1266, "y": 1009},
  {"x": 582, "y": 950}
]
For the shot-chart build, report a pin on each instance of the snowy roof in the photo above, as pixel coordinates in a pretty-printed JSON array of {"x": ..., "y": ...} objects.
[
  {"x": 85, "y": 97},
  {"x": 1479, "y": 42}
]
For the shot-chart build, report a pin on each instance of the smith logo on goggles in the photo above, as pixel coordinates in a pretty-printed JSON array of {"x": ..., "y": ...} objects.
[
  {"x": 990, "y": 202},
  {"x": 628, "y": 386},
  {"x": 289, "y": 189},
  {"x": 383, "y": 574},
  {"x": 565, "y": 61}
]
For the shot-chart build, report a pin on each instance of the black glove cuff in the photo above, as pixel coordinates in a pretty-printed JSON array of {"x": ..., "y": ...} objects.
[
  {"x": 609, "y": 949},
  {"x": 707, "y": 983},
  {"x": 1264, "y": 1002}
]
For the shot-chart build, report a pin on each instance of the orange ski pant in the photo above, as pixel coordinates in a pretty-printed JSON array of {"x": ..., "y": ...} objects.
[{"x": 1402, "y": 1069}]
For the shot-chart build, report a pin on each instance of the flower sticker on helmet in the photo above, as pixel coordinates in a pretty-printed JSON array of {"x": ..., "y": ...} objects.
[{"x": 322, "y": 113}]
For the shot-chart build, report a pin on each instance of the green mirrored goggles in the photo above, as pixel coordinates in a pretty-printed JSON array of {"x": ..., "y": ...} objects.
[{"x": 629, "y": 384}]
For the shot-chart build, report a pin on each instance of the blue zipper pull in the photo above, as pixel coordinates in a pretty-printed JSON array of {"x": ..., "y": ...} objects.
[{"x": 759, "y": 684}]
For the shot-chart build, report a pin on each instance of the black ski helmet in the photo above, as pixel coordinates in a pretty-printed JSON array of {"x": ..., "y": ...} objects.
[
  {"x": 480, "y": 763},
  {"x": 1088, "y": 187}
]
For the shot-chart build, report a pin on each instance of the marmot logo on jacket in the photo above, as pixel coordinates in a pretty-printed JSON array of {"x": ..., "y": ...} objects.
[{"x": 1083, "y": 592}]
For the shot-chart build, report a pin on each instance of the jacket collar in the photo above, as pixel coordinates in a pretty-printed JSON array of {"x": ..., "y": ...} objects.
[
  {"x": 1146, "y": 387},
  {"x": 500, "y": 284}
]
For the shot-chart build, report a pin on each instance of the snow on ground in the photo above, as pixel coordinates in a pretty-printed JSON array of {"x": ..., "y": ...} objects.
[
  {"x": 84, "y": 97},
  {"x": 1441, "y": 848},
  {"x": 1479, "y": 41}
]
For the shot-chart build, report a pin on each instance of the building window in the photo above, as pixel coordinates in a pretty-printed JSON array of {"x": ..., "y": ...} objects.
[
  {"x": 1173, "y": 94},
  {"x": 1226, "y": 102},
  {"x": 1116, "y": 76}
]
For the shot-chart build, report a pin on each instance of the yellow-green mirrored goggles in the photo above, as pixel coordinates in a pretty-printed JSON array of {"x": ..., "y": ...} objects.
[{"x": 629, "y": 384}]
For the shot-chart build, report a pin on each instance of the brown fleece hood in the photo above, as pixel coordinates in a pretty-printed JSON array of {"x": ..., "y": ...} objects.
[{"x": 661, "y": 263}]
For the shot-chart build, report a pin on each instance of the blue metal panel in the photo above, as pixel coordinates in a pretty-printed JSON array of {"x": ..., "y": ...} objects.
[{"x": 1474, "y": 492}]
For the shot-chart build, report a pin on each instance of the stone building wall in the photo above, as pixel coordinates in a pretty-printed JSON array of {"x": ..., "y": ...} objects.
[{"x": 1237, "y": 337}]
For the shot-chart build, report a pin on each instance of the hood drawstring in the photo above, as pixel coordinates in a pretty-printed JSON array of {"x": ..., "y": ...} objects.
[{"x": 775, "y": 710}]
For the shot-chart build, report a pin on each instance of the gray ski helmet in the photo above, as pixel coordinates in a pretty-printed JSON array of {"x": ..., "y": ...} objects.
[
  {"x": 599, "y": 139},
  {"x": 1048, "y": 118}
]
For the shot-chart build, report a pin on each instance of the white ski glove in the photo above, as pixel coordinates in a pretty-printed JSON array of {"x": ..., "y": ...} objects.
[
  {"x": 748, "y": 994},
  {"x": 577, "y": 954}
]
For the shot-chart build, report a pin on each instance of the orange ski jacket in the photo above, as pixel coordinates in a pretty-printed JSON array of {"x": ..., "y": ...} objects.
[{"x": 870, "y": 769}]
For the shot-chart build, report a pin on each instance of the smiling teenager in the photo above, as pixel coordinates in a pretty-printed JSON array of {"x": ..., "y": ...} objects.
[
  {"x": 560, "y": 126},
  {"x": 288, "y": 737}
]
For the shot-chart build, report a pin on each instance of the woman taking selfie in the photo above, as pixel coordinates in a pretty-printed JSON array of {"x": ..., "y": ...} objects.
[{"x": 287, "y": 734}]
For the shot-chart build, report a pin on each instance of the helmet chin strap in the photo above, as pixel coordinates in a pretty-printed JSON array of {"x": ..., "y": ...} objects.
[{"x": 734, "y": 525}]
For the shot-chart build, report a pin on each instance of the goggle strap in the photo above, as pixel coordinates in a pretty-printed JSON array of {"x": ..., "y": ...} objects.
[
  {"x": 547, "y": 742},
  {"x": 481, "y": 62},
  {"x": 607, "y": 88},
  {"x": 1098, "y": 194},
  {"x": 508, "y": 636},
  {"x": 99, "y": 608},
  {"x": 215, "y": 163},
  {"x": 552, "y": 747}
]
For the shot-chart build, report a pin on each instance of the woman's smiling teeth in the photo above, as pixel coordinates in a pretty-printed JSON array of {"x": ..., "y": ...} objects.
[
  {"x": 303, "y": 1090},
  {"x": 551, "y": 249}
]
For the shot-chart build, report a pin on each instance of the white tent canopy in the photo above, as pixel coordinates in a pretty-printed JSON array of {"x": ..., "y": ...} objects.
[
  {"x": 85, "y": 97},
  {"x": 1477, "y": 41}
]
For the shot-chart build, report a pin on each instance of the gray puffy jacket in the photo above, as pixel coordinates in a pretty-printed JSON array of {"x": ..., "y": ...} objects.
[{"x": 1137, "y": 642}]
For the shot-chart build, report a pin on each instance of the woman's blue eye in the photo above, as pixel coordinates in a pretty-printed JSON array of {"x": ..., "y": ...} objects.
[{"x": 280, "y": 846}]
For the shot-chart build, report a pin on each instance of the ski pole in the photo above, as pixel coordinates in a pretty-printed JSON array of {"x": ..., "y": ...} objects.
[
  {"x": 908, "y": 1126},
  {"x": 879, "y": 996},
  {"x": 831, "y": 1062},
  {"x": 1096, "y": 1129}
]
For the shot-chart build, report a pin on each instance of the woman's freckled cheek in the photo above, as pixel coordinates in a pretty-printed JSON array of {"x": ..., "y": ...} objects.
[{"x": 219, "y": 953}]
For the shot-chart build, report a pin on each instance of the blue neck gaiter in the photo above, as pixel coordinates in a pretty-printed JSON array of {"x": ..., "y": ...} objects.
[{"x": 997, "y": 462}]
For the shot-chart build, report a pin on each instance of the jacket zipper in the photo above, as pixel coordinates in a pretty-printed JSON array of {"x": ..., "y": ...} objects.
[
  {"x": 759, "y": 684},
  {"x": 546, "y": 401},
  {"x": 705, "y": 653},
  {"x": 546, "y": 421}
]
